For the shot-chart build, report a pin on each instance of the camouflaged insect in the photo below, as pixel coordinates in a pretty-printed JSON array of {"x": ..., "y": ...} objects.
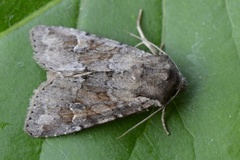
[{"x": 93, "y": 80}]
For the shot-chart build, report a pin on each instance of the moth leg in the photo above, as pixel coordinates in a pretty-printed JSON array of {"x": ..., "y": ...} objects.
[
  {"x": 152, "y": 47},
  {"x": 163, "y": 121},
  {"x": 161, "y": 46},
  {"x": 143, "y": 38}
]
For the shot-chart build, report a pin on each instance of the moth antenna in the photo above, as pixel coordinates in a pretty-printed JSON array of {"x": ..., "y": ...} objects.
[{"x": 144, "y": 120}]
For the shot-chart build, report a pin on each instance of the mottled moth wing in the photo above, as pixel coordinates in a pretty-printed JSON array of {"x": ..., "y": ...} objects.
[
  {"x": 66, "y": 105},
  {"x": 96, "y": 80},
  {"x": 69, "y": 50}
]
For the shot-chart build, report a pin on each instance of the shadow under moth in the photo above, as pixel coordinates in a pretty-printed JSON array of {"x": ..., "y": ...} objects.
[{"x": 93, "y": 80}]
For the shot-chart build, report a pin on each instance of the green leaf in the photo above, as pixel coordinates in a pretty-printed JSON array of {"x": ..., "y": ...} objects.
[
  {"x": 14, "y": 11},
  {"x": 202, "y": 37}
]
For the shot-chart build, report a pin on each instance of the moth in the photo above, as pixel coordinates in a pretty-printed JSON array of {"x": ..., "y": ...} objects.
[{"x": 93, "y": 80}]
